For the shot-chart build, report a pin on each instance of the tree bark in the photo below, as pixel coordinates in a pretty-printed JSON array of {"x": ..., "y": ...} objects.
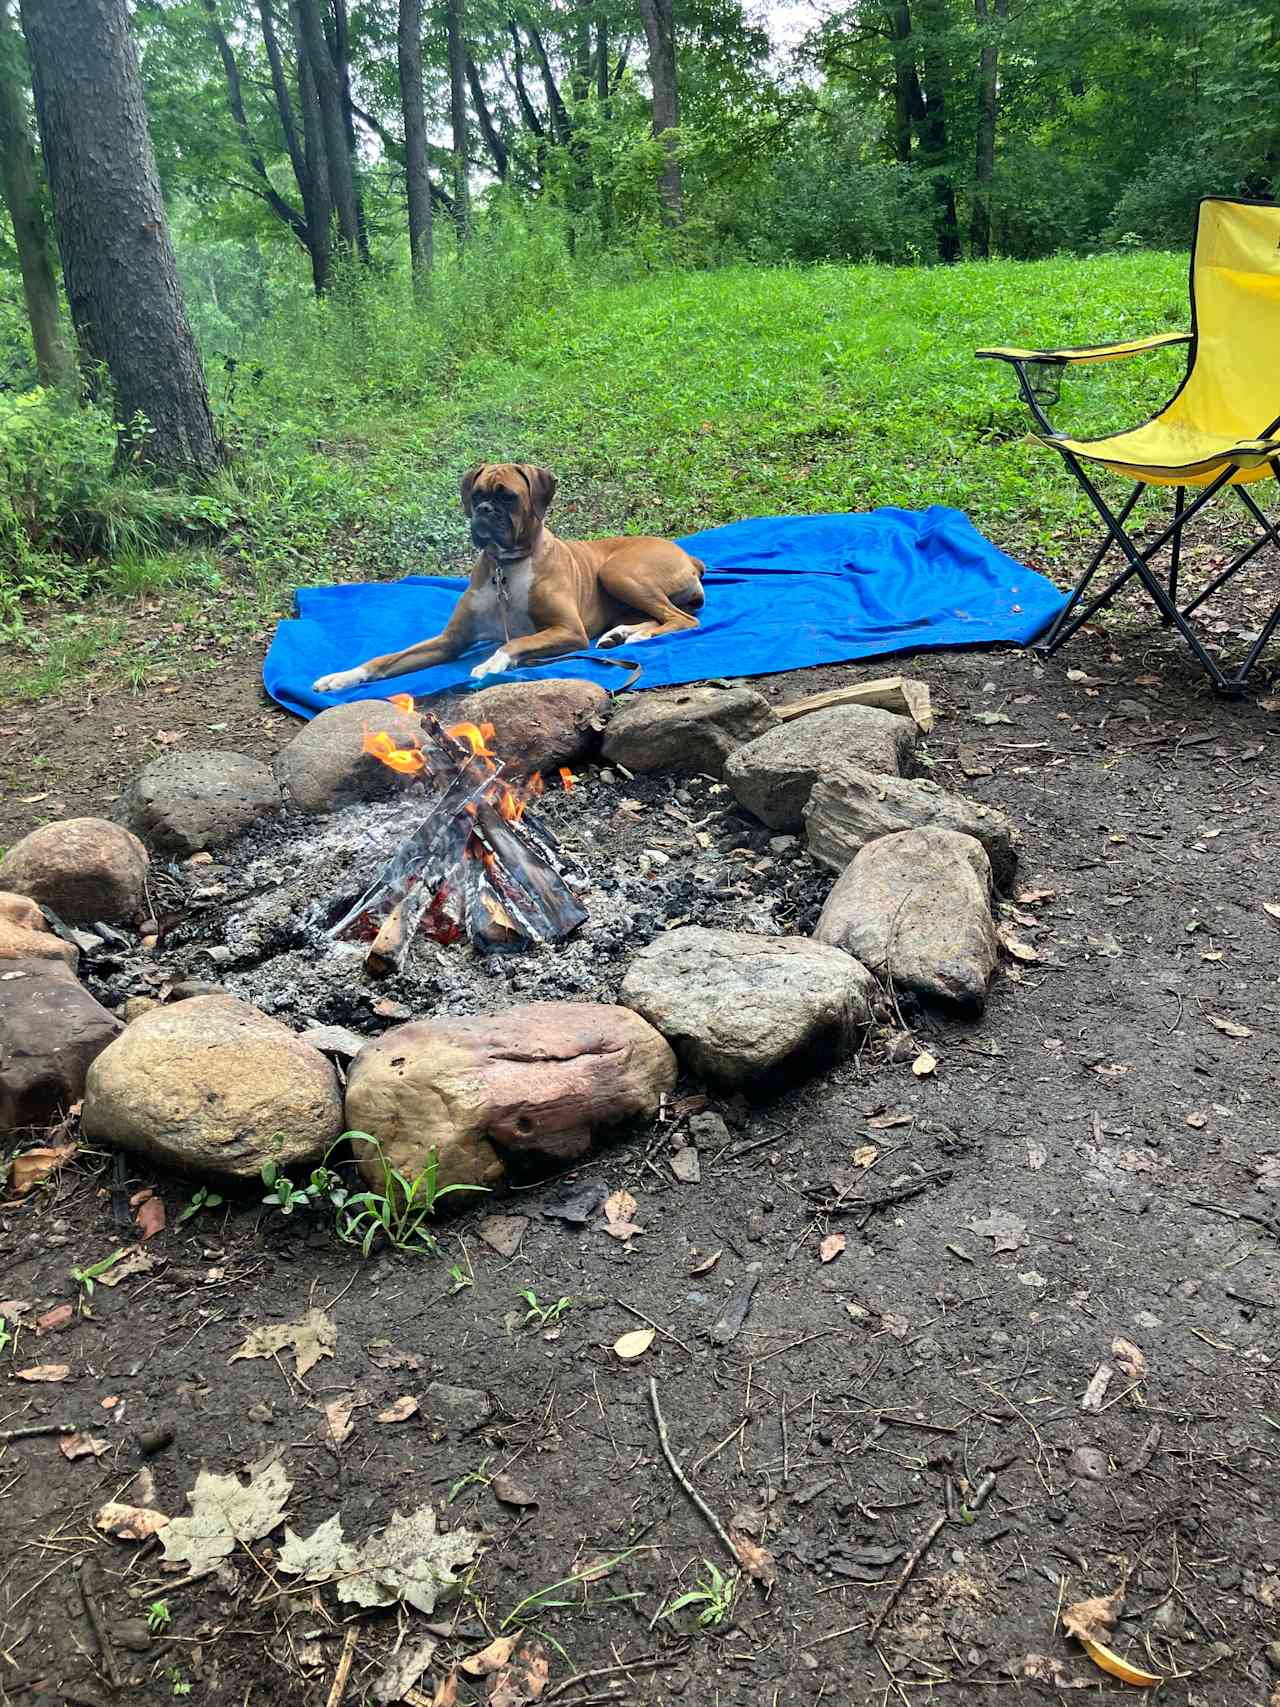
[
  {"x": 603, "y": 96},
  {"x": 488, "y": 128},
  {"x": 316, "y": 211},
  {"x": 416, "y": 174},
  {"x": 319, "y": 202},
  {"x": 342, "y": 64},
  {"x": 988, "y": 114},
  {"x": 659, "y": 29},
  {"x": 30, "y": 236},
  {"x": 458, "y": 114},
  {"x": 117, "y": 256},
  {"x": 329, "y": 98},
  {"x": 903, "y": 79},
  {"x": 931, "y": 21}
]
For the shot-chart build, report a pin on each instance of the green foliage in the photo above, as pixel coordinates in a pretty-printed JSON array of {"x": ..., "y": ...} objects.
[
  {"x": 86, "y": 1278},
  {"x": 545, "y": 1315},
  {"x": 398, "y": 1208},
  {"x": 323, "y": 1186},
  {"x": 159, "y": 1616},
  {"x": 710, "y": 1602},
  {"x": 201, "y": 1198}
]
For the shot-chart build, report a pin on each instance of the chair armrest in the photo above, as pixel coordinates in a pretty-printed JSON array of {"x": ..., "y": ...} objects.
[{"x": 1089, "y": 353}]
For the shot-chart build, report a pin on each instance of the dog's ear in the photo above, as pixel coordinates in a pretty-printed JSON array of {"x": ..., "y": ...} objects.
[
  {"x": 468, "y": 483},
  {"x": 542, "y": 486}
]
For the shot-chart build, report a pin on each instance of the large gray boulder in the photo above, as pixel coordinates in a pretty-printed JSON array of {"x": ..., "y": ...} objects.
[
  {"x": 914, "y": 906},
  {"x": 850, "y": 806},
  {"x": 690, "y": 731},
  {"x": 539, "y": 726},
  {"x": 213, "y": 1088},
  {"x": 539, "y": 1080},
  {"x": 82, "y": 869},
  {"x": 773, "y": 776},
  {"x": 51, "y": 1030},
  {"x": 183, "y": 803},
  {"x": 737, "y": 1008},
  {"x": 326, "y": 764}
]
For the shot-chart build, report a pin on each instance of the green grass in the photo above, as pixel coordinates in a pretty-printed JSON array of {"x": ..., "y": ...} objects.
[{"x": 675, "y": 402}]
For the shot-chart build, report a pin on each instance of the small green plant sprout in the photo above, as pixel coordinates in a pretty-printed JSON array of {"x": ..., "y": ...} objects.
[
  {"x": 201, "y": 1198},
  {"x": 324, "y": 1186},
  {"x": 397, "y": 1208},
  {"x": 460, "y": 1278},
  {"x": 545, "y": 1315},
  {"x": 85, "y": 1278},
  {"x": 181, "y": 1685},
  {"x": 6, "y": 1338},
  {"x": 471, "y": 1479},
  {"x": 710, "y": 1602},
  {"x": 158, "y": 1616},
  {"x": 548, "y": 1598}
]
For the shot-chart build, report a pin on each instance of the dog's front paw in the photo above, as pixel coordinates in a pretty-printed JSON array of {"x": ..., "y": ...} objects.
[
  {"x": 341, "y": 680},
  {"x": 619, "y": 636},
  {"x": 493, "y": 666}
]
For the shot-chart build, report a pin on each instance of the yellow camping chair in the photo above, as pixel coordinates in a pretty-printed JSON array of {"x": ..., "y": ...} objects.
[{"x": 1220, "y": 428}]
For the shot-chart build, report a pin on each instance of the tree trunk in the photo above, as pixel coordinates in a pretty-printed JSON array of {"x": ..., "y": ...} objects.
[
  {"x": 659, "y": 29},
  {"x": 329, "y": 99},
  {"x": 988, "y": 112},
  {"x": 316, "y": 209},
  {"x": 416, "y": 173},
  {"x": 342, "y": 65},
  {"x": 320, "y": 200},
  {"x": 117, "y": 257},
  {"x": 30, "y": 236},
  {"x": 931, "y": 22},
  {"x": 458, "y": 113},
  {"x": 603, "y": 94},
  {"x": 903, "y": 79}
]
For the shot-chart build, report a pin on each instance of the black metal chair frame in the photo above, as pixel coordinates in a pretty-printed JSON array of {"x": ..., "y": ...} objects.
[{"x": 1138, "y": 561}]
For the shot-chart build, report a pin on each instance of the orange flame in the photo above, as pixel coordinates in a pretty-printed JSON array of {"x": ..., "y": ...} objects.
[
  {"x": 476, "y": 736},
  {"x": 407, "y": 760},
  {"x": 401, "y": 701},
  {"x": 566, "y": 777}
]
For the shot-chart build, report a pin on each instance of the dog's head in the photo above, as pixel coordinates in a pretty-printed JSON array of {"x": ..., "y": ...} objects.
[{"x": 505, "y": 503}]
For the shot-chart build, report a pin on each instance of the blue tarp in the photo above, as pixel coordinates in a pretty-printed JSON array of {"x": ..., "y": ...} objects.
[{"x": 783, "y": 593}]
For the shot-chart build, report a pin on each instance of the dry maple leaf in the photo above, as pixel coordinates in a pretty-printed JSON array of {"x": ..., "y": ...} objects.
[
  {"x": 129, "y": 1522},
  {"x": 1008, "y": 1231},
  {"x": 1091, "y": 1620},
  {"x": 225, "y": 1511},
  {"x": 831, "y": 1247},
  {"x": 314, "y": 1337},
  {"x": 523, "y": 1680},
  {"x": 28, "y": 1169},
  {"x": 73, "y": 1446}
]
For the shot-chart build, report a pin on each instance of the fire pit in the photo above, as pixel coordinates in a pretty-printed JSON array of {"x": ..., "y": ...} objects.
[{"x": 480, "y": 863}]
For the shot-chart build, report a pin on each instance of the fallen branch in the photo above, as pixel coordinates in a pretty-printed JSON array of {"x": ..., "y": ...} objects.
[
  {"x": 1268, "y": 1223},
  {"x": 650, "y": 1662},
  {"x": 868, "y": 1206},
  {"x": 700, "y": 1505},
  {"x": 979, "y": 1498},
  {"x": 29, "y": 1431},
  {"x": 109, "y": 1669},
  {"x": 344, "y": 1666},
  {"x": 903, "y": 694}
]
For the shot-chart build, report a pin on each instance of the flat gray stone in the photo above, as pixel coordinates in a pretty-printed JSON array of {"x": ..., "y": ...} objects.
[
  {"x": 737, "y": 1008},
  {"x": 326, "y": 765},
  {"x": 914, "y": 907},
  {"x": 689, "y": 731},
  {"x": 850, "y": 807},
  {"x": 773, "y": 776},
  {"x": 183, "y": 803}
]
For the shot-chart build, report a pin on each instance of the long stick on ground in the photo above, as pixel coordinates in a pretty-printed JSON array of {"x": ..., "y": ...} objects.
[
  {"x": 980, "y": 1496},
  {"x": 695, "y": 1497},
  {"x": 344, "y": 1666}
]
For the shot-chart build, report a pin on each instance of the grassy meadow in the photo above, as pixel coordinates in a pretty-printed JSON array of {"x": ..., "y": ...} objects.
[{"x": 663, "y": 403}]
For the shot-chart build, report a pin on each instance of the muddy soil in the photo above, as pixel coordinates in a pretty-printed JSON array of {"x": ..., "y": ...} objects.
[{"x": 1094, "y": 1161}]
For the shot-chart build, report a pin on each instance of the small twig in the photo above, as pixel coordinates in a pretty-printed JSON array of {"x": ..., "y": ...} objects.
[
  {"x": 650, "y": 1662},
  {"x": 92, "y": 1613},
  {"x": 650, "y": 1323},
  {"x": 30, "y": 1430},
  {"x": 867, "y": 1206},
  {"x": 1268, "y": 1224},
  {"x": 699, "y": 1504},
  {"x": 344, "y": 1666},
  {"x": 979, "y": 1498}
]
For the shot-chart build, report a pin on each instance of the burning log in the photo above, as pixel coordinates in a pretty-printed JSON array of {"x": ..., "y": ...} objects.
[{"x": 478, "y": 864}]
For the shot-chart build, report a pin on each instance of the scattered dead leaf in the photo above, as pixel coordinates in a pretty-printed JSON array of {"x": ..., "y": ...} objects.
[
  {"x": 314, "y": 1337},
  {"x": 337, "y": 1418},
  {"x": 486, "y": 1661},
  {"x": 44, "y": 1372},
  {"x": 1196, "y": 1119},
  {"x": 1015, "y": 946},
  {"x": 831, "y": 1247},
  {"x": 864, "y": 1155},
  {"x": 898, "y": 1327},
  {"x": 225, "y": 1511},
  {"x": 503, "y": 1233},
  {"x": 1008, "y": 1231},
  {"x": 134, "y": 1261},
  {"x": 1091, "y": 1620},
  {"x": 510, "y": 1492},
  {"x": 1228, "y": 1027},
  {"x": 619, "y": 1215},
  {"x": 523, "y": 1680},
  {"x": 924, "y": 1064},
  {"x": 885, "y": 1122},
  {"x": 755, "y": 1560},
  {"x": 1044, "y": 1668},
  {"x": 1272, "y": 907},
  {"x": 634, "y": 1344},
  {"x": 400, "y": 1676},
  {"x": 446, "y": 1694},
  {"x": 150, "y": 1218},
  {"x": 704, "y": 1265},
  {"x": 1035, "y": 897},
  {"x": 75, "y": 1446},
  {"x": 1132, "y": 1360},
  {"x": 409, "y": 1560},
  {"x": 53, "y": 1321},
  {"x": 129, "y": 1522},
  {"x": 28, "y": 1169},
  {"x": 399, "y": 1410}
]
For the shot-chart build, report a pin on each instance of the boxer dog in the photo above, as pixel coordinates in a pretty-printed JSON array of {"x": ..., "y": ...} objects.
[{"x": 537, "y": 596}]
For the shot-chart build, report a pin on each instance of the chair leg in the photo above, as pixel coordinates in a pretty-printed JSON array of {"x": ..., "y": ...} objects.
[
  {"x": 1175, "y": 555},
  {"x": 1054, "y": 638},
  {"x": 1138, "y": 565},
  {"x": 1272, "y": 536}
]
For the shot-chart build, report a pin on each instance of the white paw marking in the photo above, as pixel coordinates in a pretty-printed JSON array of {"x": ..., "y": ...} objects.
[
  {"x": 493, "y": 666},
  {"x": 620, "y": 635},
  {"x": 340, "y": 680}
]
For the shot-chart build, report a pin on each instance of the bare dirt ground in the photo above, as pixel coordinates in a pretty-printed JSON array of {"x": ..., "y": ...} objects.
[{"x": 1095, "y": 1160}]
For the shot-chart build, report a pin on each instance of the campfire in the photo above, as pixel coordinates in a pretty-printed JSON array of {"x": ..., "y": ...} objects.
[{"x": 481, "y": 864}]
